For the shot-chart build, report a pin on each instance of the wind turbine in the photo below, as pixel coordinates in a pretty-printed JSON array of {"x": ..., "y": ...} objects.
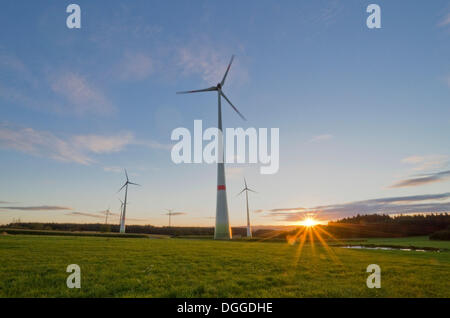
[
  {"x": 107, "y": 214},
  {"x": 122, "y": 219},
  {"x": 170, "y": 213},
  {"x": 246, "y": 189},
  {"x": 222, "y": 229}
]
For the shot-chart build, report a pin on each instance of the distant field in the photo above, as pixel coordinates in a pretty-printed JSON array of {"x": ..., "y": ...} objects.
[
  {"x": 77, "y": 233},
  {"x": 35, "y": 266}
]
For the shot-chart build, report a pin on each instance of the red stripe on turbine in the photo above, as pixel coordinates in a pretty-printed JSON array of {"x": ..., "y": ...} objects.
[{"x": 220, "y": 187}]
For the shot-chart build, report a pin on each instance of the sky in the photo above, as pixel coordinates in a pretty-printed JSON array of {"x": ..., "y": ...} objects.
[{"x": 363, "y": 114}]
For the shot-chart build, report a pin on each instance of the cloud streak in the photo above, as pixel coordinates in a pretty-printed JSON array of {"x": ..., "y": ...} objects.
[
  {"x": 37, "y": 208},
  {"x": 426, "y": 203},
  {"x": 422, "y": 180},
  {"x": 427, "y": 162},
  {"x": 176, "y": 213},
  {"x": 92, "y": 215},
  {"x": 98, "y": 216}
]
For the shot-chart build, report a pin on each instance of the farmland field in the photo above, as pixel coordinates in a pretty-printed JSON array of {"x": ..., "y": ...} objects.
[{"x": 35, "y": 266}]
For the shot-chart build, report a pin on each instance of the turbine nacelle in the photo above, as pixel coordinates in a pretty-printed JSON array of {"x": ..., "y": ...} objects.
[{"x": 218, "y": 88}]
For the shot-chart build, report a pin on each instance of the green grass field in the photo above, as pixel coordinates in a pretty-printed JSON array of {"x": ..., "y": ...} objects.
[{"x": 35, "y": 266}]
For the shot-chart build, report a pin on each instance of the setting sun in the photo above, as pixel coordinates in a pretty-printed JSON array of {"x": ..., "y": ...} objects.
[{"x": 308, "y": 222}]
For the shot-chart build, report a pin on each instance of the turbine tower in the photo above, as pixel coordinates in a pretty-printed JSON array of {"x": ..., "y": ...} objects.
[
  {"x": 222, "y": 230},
  {"x": 122, "y": 219},
  {"x": 107, "y": 212},
  {"x": 169, "y": 213},
  {"x": 246, "y": 189},
  {"x": 121, "y": 210}
]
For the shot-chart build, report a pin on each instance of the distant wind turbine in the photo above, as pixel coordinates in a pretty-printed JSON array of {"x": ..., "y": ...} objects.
[
  {"x": 246, "y": 189},
  {"x": 170, "y": 213},
  {"x": 124, "y": 210},
  {"x": 222, "y": 229},
  {"x": 107, "y": 212}
]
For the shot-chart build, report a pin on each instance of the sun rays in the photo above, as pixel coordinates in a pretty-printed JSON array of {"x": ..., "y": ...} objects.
[{"x": 311, "y": 232}]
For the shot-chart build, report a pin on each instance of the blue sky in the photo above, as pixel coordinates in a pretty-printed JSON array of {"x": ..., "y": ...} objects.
[{"x": 363, "y": 114}]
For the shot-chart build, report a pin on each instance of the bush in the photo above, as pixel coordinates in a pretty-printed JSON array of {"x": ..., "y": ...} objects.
[
  {"x": 105, "y": 228},
  {"x": 441, "y": 235}
]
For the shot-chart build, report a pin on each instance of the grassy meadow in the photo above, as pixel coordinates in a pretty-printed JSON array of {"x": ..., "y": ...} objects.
[{"x": 35, "y": 266}]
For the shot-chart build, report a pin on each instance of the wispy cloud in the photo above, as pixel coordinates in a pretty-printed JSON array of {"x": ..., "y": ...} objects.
[
  {"x": 153, "y": 144},
  {"x": 42, "y": 144},
  {"x": 13, "y": 63},
  {"x": 422, "y": 180},
  {"x": 427, "y": 162},
  {"x": 115, "y": 169},
  {"x": 176, "y": 213},
  {"x": 209, "y": 62},
  {"x": 69, "y": 92},
  {"x": 320, "y": 138},
  {"x": 103, "y": 144},
  {"x": 444, "y": 21},
  {"x": 136, "y": 66},
  {"x": 92, "y": 215},
  {"x": 82, "y": 96},
  {"x": 282, "y": 210},
  {"x": 99, "y": 215},
  {"x": 390, "y": 205},
  {"x": 76, "y": 149},
  {"x": 37, "y": 208}
]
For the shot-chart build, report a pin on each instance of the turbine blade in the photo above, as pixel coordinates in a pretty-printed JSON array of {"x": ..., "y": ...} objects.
[
  {"x": 226, "y": 72},
  {"x": 134, "y": 183},
  {"x": 126, "y": 174},
  {"x": 240, "y": 192},
  {"x": 251, "y": 190},
  {"x": 235, "y": 109},
  {"x": 122, "y": 188},
  {"x": 210, "y": 89},
  {"x": 245, "y": 182}
]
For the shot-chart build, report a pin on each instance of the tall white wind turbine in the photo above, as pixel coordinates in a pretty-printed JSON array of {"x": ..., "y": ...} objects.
[
  {"x": 124, "y": 210},
  {"x": 246, "y": 189},
  {"x": 222, "y": 229}
]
